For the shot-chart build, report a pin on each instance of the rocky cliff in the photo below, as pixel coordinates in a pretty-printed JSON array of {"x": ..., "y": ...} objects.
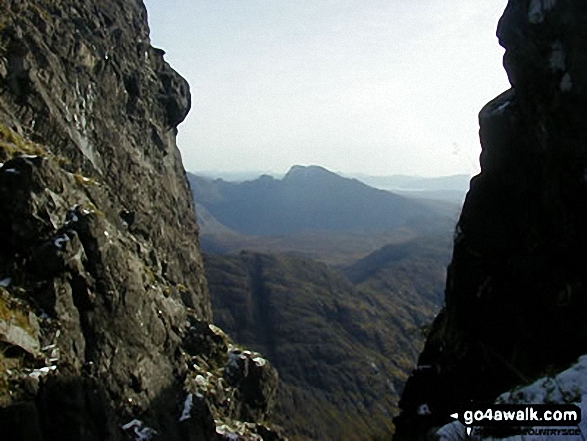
[
  {"x": 104, "y": 308},
  {"x": 516, "y": 289}
]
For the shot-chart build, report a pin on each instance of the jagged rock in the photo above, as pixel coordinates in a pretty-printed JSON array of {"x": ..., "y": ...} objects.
[
  {"x": 255, "y": 380},
  {"x": 101, "y": 279},
  {"x": 15, "y": 335},
  {"x": 516, "y": 288}
]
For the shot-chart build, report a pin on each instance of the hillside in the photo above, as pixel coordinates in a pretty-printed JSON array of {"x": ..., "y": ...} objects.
[
  {"x": 311, "y": 199},
  {"x": 337, "y": 235},
  {"x": 343, "y": 350}
]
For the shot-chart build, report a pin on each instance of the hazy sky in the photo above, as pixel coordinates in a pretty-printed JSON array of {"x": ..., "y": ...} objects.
[{"x": 357, "y": 86}]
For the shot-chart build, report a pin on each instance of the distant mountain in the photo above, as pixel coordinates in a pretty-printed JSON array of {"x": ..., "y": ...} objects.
[
  {"x": 314, "y": 199},
  {"x": 234, "y": 176},
  {"x": 343, "y": 348}
]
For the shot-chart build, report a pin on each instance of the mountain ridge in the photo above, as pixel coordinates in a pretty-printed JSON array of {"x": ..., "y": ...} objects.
[{"x": 306, "y": 199}]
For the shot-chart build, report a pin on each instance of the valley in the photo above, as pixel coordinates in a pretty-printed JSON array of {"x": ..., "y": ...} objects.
[{"x": 340, "y": 305}]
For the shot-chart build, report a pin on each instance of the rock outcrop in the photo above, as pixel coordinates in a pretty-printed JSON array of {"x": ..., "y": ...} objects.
[
  {"x": 517, "y": 288},
  {"x": 104, "y": 308}
]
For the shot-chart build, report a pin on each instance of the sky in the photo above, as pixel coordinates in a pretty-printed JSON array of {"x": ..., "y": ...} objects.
[{"x": 377, "y": 87}]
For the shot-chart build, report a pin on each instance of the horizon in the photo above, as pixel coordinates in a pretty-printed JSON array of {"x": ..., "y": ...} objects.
[
  {"x": 387, "y": 88},
  {"x": 257, "y": 173}
]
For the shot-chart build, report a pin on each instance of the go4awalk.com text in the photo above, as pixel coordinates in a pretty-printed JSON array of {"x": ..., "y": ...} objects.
[{"x": 528, "y": 417}]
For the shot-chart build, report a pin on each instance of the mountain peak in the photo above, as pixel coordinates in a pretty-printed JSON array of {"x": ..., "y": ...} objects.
[{"x": 307, "y": 171}]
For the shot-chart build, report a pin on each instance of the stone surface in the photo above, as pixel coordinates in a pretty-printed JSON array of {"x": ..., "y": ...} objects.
[
  {"x": 516, "y": 287},
  {"x": 104, "y": 308}
]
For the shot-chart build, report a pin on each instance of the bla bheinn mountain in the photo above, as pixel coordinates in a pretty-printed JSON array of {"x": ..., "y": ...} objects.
[
  {"x": 343, "y": 342},
  {"x": 312, "y": 213},
  {"x": 310, "y": 199}
]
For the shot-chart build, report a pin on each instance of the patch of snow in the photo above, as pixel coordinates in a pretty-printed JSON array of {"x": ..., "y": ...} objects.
[
  {"x": 187, "y": 408},
  {"x": 566, "y": 83},
  {"x": 225, "y": 431},
  {"x": 201, "y": 381},
  {"x": 47, "y": 369},
  {"x": 216, "y": 330},
  {"x": 61, "y": 240},
  {"x": 140, "y": 432},
  {"x": 499, "y": 109},
  {"x": 568, "y": 387},
  {"x": 5, "y": 282},
  {"x": 37, "y": 373},
  {"x": 259, "y": 361}
]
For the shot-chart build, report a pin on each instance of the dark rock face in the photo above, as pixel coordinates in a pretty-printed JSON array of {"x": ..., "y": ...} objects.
[
  {"x": 104, "y": 308},
  {"x": 516, "y": 287}
]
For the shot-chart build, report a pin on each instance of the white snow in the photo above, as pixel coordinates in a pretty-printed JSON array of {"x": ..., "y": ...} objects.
[
  {"x": 37, "y": 373},
  {"x": 566, "y": 387},
  {"x": 5, "y": 282},
  {"x": 259, "y": 361},
  {"x": 61, "y": 240},
  {"x": 187, "y": 408},
  {"x": 139, "y": 430},
  {"x": 499, "y": 109}
]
